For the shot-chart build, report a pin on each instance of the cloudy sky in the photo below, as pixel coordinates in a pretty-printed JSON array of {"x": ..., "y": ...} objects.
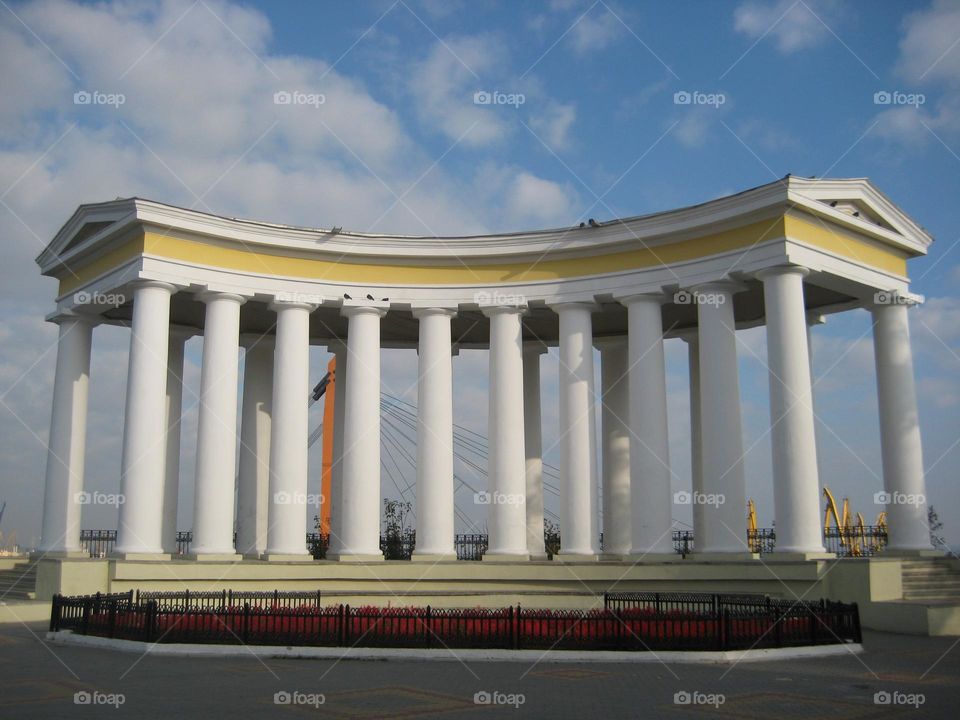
[{"x": 183, "y": 112}]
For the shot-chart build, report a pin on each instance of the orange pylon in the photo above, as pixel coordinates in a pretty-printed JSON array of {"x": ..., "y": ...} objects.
[{"x": 326, "y": 467}]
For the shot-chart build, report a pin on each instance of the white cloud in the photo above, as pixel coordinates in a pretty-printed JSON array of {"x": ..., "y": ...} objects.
[
  {"x": 553, "y": 124},
  {"x": 792, "y": 24},
  {"x": 535, "y": 202},
  {"x": 595, "y": 30}
]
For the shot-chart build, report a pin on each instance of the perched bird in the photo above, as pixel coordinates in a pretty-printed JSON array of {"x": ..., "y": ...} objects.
[
  {"x": 593, "y": 223},
  {"x": 370, "y": 297},
  {"x": 347, "y": 296}
]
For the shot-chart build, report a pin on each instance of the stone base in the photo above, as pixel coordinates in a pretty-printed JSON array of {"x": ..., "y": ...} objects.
[
  {"x": 215, "y": 557},
  {"x": 893, "y": 552},
  {"x": 565, "y": 557},
  {"x": 504, "y": 557},
  {"x": 59, "y": 555},
  {"x": 287, "y": 557},
  {"x": 790, "y": 556},
  {"x": 723, "y": 557},
  {"x": 354, "y": 557},
  {"x": 432, "y": 557},
  {"x": 641, "y": 558},
  {"x": 140, "y": 557}
]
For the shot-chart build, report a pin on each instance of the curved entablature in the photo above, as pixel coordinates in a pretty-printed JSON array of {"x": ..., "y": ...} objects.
[{"x": 850, "y": 237}]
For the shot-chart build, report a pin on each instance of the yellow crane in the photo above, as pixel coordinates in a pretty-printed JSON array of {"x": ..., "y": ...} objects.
[{"x": 752, "y": 540}]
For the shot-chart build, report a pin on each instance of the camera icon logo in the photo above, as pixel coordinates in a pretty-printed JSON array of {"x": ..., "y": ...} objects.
[
  {"x": 282, "y": 97},
  {"x": 282, "y": 698},
  {"x": 482, "y": 97},
  {"x": 481, "y": 498},
  {"x": 482, "y": 698},
  {"x": 282, "y": 498},
  {"x": 682, "y": 97},
  {"x": 682, "y": 698},
  {"x": 882, "y": 97},
  {"x": 882, "y": 498},
  {"x": 682, "y": 497},
  {"x": 82, "y": 97}
]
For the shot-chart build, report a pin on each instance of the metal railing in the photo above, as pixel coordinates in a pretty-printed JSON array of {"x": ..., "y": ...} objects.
[
  {"x": 629, "y": 621},
  {"x": 845, "y": 542}
]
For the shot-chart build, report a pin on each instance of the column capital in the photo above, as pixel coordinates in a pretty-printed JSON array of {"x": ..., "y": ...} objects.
[
  {"x": 491, "y": 310},
  {"x": 147, "y": 282},
  {"x": 815, "y": 317},
  {"x": 590, "y": 305},
  {"x": 722, "y": 284},
  {"x": 206, "y": 296},
  {"x": 364, "y": 307},
  {"x": 659, "y": 298},
  {"x": 776, "y": 270},
  {"x": 431, "y": 310},
  {"x": 59, "y": 318},
  {"x": 278, "y": 305},
  {"x": 534, "y": 347},
  {"x": 610, "y": 341}
]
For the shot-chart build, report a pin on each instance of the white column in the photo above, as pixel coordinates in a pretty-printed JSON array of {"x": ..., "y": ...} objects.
[
  {"x": 253, "y": 491},
  {"x": 435, "y": 527},
  {"x": 66, "y": 449},
  {"x": 290, "y": 428},
  {"x": 533, "y": 447},
  {"x": 903, "y": 475},
  {"x": 650, "y": 500},
  {"x": 796, "y": 488},
  {"x": 724, "y": 482},
  {"x": 336, "y": 472},
  {"x": 696, "y": 447},
  {"x": 507, "y": 458},
  {"x": 579, "y": 536},
  {"x": 213, "y": 508},
  {"x": 360, "y": 526},
  {"x": 615, "y": 444},
  {"x": 143, "y": 464},
  {"x": 171, "y": 483}
]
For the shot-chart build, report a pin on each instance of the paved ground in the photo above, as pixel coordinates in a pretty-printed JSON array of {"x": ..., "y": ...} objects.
[{"x": 39, "y": 680}]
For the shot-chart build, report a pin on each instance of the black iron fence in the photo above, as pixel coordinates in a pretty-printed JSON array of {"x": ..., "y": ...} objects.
[
  {"x": 739, "y": 621},
  {"x": 629, "y": 621},
  {"x": 845, "y": 542}
]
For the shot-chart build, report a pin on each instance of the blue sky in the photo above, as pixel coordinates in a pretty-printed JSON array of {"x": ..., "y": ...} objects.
[{"x": 400, "y": 145}]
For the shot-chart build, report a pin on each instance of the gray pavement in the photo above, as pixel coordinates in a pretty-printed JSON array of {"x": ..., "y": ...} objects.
[{"x": 921, "y": 677}]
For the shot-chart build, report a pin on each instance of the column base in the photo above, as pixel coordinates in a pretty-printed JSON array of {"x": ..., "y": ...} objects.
[
  {"x": 800, "y": 556},
  {"x": 418, "y": 556},
  {"x": 287, "y": 557},
  {"x": 575, "y": 557},
  {"x": 354, "y": 557},
  {"x": 505, "y": 557},
  {"x": 140, "y": 556},
  {"x": 59, "y": 555},
  {"x": 651, "y": 557},
  {"x": 722, "y": 557},
  {"x": 539, "y": 557},
  {"x": 918, "y": 553},
  {"x": 214, "y": 557},
  {"x": 253, "y": 555}
]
